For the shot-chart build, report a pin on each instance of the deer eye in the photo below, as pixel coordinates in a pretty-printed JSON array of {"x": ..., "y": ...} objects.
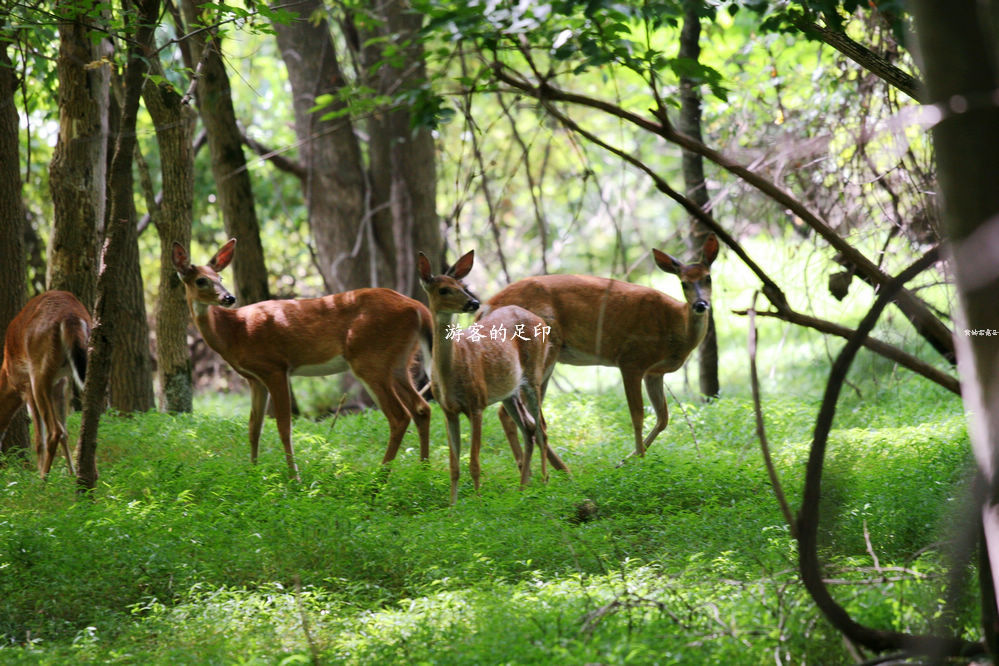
[
  {"x": 202, "y": 282},
  {"x": 444, "y": 291}
]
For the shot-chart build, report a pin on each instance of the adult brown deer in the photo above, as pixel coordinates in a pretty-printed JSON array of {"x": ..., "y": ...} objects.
[
  {"x": 640, "y": 330},
  {"x": 372, "y": 332},
  {"x": 468, "y": 374},
  {"x": 45, "y": 344}
]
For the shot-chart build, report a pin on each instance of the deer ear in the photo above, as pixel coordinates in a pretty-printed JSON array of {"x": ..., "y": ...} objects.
[
  {"x": 666, "y": 262},
  {"x": 462, "y": 267},
  {"x": 423, "y": 268},
  {"x": 224, "y": 256},
  {"x": 710, "y": 250},
  {"x": 181, "y": 263}
]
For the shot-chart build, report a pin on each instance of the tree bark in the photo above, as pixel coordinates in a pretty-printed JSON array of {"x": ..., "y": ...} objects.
[
  {"x": 78, "y": 171},
  {"x": 13, "y": 270},
  {"x": 334, "y": 185},
  {"x": 403, "y": 157},
  {"x": 696, "y": 186},
  {"x": 232, "y": 180},
  {"x": 113, "y": 297},
  {"x": 957, "y": 42},
  {"x": 174, "y": 123}
]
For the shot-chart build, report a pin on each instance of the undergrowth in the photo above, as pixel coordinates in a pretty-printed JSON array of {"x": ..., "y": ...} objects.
[{"x": 186, "y": 553}]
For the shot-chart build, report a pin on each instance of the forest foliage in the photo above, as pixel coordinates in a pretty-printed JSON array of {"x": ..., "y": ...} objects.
[{"x": 550, "y": 143}]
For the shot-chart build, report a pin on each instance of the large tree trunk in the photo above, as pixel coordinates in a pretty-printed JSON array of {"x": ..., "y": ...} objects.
[
  {"x": 12, "y": 259},
  {"x": 957, "y": 41},
  {"x": 334, "y": 186},
  {"x": 113, "y": 295},
  {"x": 403, "y": 167},
  {"x": 78, "y": 172},
  {"x": 232, "y": 180},
  {"x": 174, "y": 124},
  {"x": 696, "y": 187}
]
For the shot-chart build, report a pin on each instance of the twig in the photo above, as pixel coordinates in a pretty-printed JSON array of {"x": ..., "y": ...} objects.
[{"x": 761, "y": 432}]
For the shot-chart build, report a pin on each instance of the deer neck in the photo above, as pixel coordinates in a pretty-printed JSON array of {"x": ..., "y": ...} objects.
[
  {"x": 697, "y": 326},
  {"x": 210, "y": 319},
  {"x": 443, "y": 352}
]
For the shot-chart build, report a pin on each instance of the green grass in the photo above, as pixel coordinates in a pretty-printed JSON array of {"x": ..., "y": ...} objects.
[{"x": 188, "y": 554}]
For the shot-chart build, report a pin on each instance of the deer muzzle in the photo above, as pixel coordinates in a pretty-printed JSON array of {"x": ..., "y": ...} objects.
[{"x": 701, "y": 306}]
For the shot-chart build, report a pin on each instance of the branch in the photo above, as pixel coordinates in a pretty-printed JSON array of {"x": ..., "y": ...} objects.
[
  {"x": 873, "y": 62},
  {"x": 808, "y": 518},
  {"x": 915, "y": 310},
  {"x": 877, "y": 346},
  {"x": 275, "y": 157}
]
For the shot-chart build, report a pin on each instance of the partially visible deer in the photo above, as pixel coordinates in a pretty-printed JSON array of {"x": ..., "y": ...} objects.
[
  {"x": 640, "y": 330},
  {"x": 469, "y": 374},
  {"x": 372, "y": 332},
  {"x": 45, "y": 344}
]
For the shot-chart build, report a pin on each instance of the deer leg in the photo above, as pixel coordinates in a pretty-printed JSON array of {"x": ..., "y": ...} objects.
[
  {"x": 61, "y": 403},
  {"x": 454, "y": 452},
  {"x": 280, "y": 390},
  {"x": 517, "y": 412},
  {"x": 632, "y": 380},
  {"x": 418, "y": 410},
  {"x": 475, "y": 450},
  {"x": 654, "y": 387},
  {"x": 510, "y": 430},
  {"x": 258, "y": 405},
  {"x": 531, "y": 404},
  {"x": 47, "y": 419},
  {"x": 395, "y": 413}
]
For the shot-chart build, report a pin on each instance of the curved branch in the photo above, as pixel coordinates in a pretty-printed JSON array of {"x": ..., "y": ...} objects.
[
  {"x": 808, "y": 518},
  {"x": 914, "y": 309}
]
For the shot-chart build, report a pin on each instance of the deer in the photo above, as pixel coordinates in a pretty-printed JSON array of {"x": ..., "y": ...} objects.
[
  {"x": 373, "y": 332},
  {"x": 642, "y": 331},
  {"x": 45, "y": 344},
  {"x": 470, "y": 373}
]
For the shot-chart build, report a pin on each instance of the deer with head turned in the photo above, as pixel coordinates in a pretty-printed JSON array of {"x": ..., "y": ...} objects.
[
  {"x": 372, "y": 332},
  {"x": 470, "y": 373},
  {"x": 642, "y": 331},
  {"x": 45, "y": 344}
]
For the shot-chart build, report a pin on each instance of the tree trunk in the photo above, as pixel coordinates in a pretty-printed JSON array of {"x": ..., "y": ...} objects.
[
  {"x": 232, "y": 180},
  {"x": 174, "y": 124},
  {"x": 12, "y": 258},
  {"x": 957, "y": 41},
  {"x": 112, "y": 296},
  {"x": 78, "y": 172},
  {"x": 696, "y": 187},
  {"x": 334, "y": 186},
  {"x": 403, "y": 167}
]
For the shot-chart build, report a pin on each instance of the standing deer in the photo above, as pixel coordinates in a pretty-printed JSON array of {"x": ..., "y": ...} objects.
[
  {"x": 640, "y": 330},
  {"x": 372, "y": 332},
  {"x": 469, "y": 374},
  {"x": 45, "y": 343}
]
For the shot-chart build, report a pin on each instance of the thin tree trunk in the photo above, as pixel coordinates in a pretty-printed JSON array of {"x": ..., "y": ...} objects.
[
  {"x": 232, "y": 180},
  {"x": 697, "y": 188},
  {"x": 78, "y": 171},
  {"x": 334, "y": 185},
  {"x": 12, "y": 259},
  {"x": 174, "y": 124},
  {"x": 957, "y": 40},
  {"x": 112, "y": 295},
  {"x": 403, "y": 158}
]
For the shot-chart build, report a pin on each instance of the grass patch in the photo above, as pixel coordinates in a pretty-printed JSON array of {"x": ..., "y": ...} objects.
[{"x": 188, "y": 554}]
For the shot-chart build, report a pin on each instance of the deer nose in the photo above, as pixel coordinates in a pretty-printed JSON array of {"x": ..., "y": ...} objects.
[
  {"x": 471, "y": 306},
  {"x": 228, "y": 300},
  {"x": 701, "y": 306}
]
